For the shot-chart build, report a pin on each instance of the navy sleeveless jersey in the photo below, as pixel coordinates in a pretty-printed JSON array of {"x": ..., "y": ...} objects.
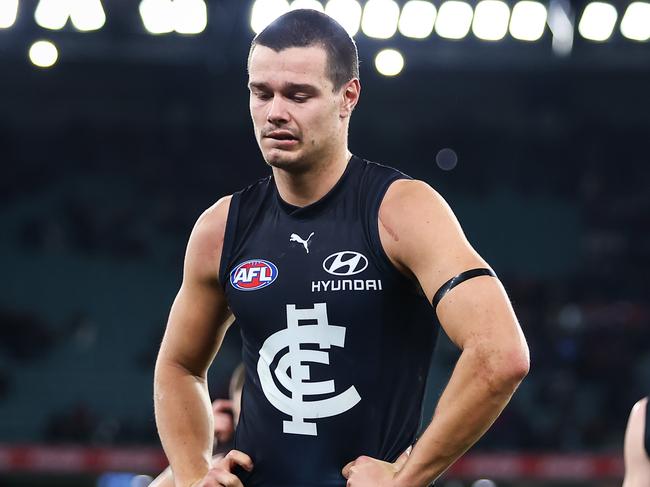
[{"x": 336, "y": 342}]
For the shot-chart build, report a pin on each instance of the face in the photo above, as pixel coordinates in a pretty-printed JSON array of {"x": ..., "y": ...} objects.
[{"x": 298, "y": 119}]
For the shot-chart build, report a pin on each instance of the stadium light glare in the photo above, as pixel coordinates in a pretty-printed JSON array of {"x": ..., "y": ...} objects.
[
  {"x": 43, "y": 54},
  {"x": 636, "y": 21},
  {"x": 528, "y": 21},
  {"x": 598, "y": 21},
  {"x": 380, "y": 19},
  {"x": 52, "y": 14},
  {"x": 454, "y": 19},
  {"x": 389, "y": 62},
  {"x": 417, "y": 19},
  {"x": 157, "y": 16},
  {"x": 345, "y": 12},
  {"x": 561, "y": 23},
  {"x": 266, "y": 11},
  {"x": 87, "y": 15},
  {"x": 8, "y": 13},
  {"x": 191, "y": 16},
  {"x": 491, "y": 19},
  {"x": 309, "y": 4}
]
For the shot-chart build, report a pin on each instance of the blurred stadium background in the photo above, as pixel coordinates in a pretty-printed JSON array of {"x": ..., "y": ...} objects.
[{"x": 120, "y": 120}]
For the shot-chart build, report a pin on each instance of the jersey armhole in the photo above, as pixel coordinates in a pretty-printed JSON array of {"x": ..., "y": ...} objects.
[
  {"x": 378, "y": 249},
  {"x": 228, "y": 239}
]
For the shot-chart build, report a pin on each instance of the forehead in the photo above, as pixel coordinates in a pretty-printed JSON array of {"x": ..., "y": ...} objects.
[{"x": 292, "y": 65}]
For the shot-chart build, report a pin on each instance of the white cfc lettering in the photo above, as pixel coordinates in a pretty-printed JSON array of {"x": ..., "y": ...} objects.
[{"x": 294, "y": 375}]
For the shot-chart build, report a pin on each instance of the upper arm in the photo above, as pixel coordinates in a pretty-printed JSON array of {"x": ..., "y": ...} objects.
[
  {"x": 199, "y": 316},
  {"x": 423, "y": 238}
]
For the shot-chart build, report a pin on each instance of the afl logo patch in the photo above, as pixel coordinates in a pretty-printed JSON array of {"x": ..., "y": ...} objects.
[
  {"x": 346, "y": 263},
  {"x": 253, "y": 275}
]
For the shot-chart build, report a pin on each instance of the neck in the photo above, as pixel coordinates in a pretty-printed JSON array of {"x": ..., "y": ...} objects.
[{"x": 307, "y": 187}]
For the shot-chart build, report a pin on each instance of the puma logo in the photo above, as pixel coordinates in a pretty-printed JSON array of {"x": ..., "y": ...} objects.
[{"x": 305, "y": 243}]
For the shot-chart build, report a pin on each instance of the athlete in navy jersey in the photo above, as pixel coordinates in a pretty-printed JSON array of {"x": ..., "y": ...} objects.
[
  {"x": 312, "y": 285},
  {"x": 337, "y": 271}
]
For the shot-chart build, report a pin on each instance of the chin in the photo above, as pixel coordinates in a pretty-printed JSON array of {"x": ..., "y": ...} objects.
[{"x": 284, "y": 160}]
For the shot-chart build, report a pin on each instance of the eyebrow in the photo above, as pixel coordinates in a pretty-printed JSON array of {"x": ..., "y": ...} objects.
[{"x": 286, "y": 87}]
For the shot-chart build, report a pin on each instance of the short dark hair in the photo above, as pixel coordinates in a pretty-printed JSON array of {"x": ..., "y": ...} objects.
[{"x": 305, "y": 28}]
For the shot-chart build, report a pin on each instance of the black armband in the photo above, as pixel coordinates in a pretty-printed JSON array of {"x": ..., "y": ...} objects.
[{"x": 455, "y": 281}]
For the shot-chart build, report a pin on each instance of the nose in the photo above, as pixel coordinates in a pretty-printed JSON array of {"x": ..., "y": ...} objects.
[{"x": 278, "y": 114}]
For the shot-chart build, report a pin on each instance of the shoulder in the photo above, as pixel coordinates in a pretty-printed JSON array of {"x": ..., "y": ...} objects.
[
  {"x": 204, "y": 248},
  {"x": 640, "y": 406},
  {"x": 410, "y": 202},
  {"x": 206, "y": 243},
  {"x": 211, "y": 225},
  {"x": 411, "y": 192},
  {"x": 638, "y": 415},
  {"x": 637, "y": 464},
  {"x": 254, "y": 192},
  {"x": 381, "y": 172},
  {"x": 377, "y": 185},
  {"x": 420, "y": 232}
]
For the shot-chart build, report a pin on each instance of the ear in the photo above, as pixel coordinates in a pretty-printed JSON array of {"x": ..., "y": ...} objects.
[{"x": 350, "y": 93}]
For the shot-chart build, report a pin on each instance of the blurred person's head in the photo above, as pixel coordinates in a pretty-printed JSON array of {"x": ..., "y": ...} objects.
[
  {"x": 304, "y": 83},
  {"x": 235, "y": 389}
]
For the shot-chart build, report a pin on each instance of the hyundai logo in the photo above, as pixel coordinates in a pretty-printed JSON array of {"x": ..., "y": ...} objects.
[{"x": 346, "y": 263}]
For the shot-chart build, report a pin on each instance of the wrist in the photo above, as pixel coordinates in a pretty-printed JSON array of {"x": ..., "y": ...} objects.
[
  {"x": 192, "y": 481},
  {"x": 407, "y": 479}
]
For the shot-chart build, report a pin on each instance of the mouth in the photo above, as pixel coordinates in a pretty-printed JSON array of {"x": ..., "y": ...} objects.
[
  {"x": 281, "y": 135},
  {"x": 282, "y": 138}
]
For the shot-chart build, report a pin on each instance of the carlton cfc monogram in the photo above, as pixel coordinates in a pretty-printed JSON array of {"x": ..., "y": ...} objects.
[{"x": 293, "y": 363}]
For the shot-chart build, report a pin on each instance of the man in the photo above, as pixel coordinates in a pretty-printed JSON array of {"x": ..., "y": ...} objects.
[
  {"x": 226, "y": 417},
  {"x": 637, "y": 446},
  {"x": 331, "y": 266}
]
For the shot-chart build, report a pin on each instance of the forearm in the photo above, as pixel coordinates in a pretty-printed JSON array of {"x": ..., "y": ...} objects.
[
  {"x": 184, "y": 421},
  {"x": 474, "y": 397}
]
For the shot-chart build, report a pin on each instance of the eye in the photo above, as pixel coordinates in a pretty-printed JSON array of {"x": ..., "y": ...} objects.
[
  {"x": 300, "y": 97},
  {"x": 261, "y": 95}
]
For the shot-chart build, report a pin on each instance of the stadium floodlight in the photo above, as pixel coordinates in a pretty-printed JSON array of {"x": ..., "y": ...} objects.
[
  {"x": 560, "y": 22},
  {"x": 308, "y": 4},
  {"x": 380, "y": 19},
  {"x": 43, "y": 54},
  {"x": 8, "y": 13},
  {"x": 266, "y": 11},
  {"x": 491, "y": 19},
  {"x": 87, "y": 15},
  {"x": 52, "y": 14},
  {"x": 417, "y": 19},
  {"x": 598, "y": 21},
  {"x": 454, "y": 19},
  {"x": 389, "y": 62},
  {"x": 191, "y": 16},
  {"x": 157, "y": 16},
  {"x": 528, "y": 20},
  {"x": 636, "y": 21},
  {"x": 345, "y": 12}
]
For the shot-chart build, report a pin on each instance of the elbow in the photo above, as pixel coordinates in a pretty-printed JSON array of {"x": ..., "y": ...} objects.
[
  {"x": 514, "y": 367},
  {"x": 521, "y": 369},
  {"x": 503, "y": 370}
]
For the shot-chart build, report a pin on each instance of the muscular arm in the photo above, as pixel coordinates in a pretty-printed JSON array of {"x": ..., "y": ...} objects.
[
  {"x": 197, "y": 323},
  {"x": 423, "y": 239},
  {"x": 637, "y": 463}
]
